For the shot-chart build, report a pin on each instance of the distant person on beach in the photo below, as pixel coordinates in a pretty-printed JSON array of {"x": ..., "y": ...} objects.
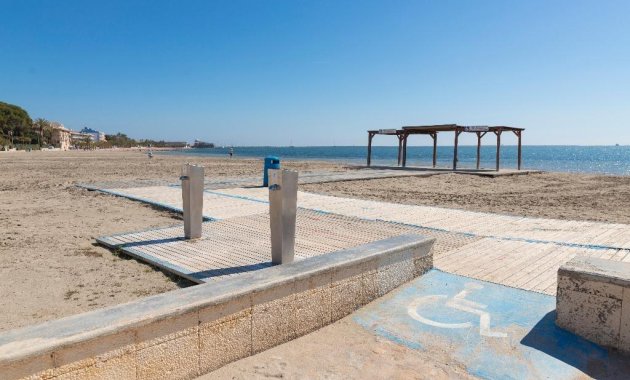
[{"x": 231, "y": 152}]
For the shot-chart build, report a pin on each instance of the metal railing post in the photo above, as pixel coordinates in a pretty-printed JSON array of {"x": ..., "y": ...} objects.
[
  {"x": 192, "y": 196},
  {"x": 283, "y": 186}
]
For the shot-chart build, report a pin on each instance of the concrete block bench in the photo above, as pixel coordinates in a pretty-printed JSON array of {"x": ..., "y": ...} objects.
[{"x": 593, "y": 301}]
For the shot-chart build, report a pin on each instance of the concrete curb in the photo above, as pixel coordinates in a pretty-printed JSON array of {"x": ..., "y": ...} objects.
[
  {"x": 593, "y": 301},
  {"x": 188, "y": 332}
]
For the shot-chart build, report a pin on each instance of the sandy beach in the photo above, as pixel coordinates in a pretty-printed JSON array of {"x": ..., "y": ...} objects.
[
  {"x": 50, "y": 266},
  {"x": 546, "y": 195}
]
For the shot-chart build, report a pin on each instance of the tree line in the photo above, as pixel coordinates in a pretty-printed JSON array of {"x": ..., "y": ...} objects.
[
  {"x": 121, "y": 140},
  {"x": 17, "y": 128}
]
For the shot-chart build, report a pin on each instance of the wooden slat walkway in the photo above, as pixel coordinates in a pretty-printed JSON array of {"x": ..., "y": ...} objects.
[
  {"x": 242, "y": 244},
  {"x": 228, "y": 203},
  {"x": 584, "y": 233},
  {"x": 518, "y": 264},
  {"x": 510, "y": 250}
]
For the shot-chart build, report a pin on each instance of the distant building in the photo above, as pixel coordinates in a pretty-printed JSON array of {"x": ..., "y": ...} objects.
[
  {"x": 96, "y": 135},
  {"x": 201, "y": 144},
  {"x": 78, "y": 137},
  {"x": 60, "y": 136}
]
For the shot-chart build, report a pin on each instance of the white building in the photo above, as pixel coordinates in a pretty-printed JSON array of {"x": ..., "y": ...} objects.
[{"x": 96, "y": 136}]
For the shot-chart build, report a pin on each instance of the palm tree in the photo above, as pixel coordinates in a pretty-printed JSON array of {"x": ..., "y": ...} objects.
[{"x": 39, "y": 125}]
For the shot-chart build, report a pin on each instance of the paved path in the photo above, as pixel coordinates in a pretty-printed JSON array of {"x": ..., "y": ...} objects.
[{"x": 496, "y": 332}]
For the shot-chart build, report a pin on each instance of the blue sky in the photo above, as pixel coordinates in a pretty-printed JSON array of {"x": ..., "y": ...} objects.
[{"x": 320, "y": 72}]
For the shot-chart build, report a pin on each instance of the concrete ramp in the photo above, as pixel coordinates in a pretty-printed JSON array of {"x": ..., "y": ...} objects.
[{"x": 495, "y": 332}]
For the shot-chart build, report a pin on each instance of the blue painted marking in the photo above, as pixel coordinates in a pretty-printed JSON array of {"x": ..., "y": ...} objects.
[{"x": 532, "y": 348}]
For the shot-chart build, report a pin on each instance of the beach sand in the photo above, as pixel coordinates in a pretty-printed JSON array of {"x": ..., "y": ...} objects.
[
  {"x": 50, "y": 266},
  {"x": 546, "y": 195}
]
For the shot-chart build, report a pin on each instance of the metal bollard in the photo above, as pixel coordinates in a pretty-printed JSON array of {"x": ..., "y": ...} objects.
[
  {"x": 192, "y": 195},
  {"x": 282, "y": 208}
]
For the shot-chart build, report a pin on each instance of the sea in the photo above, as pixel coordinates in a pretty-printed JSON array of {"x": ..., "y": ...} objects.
[{"x": 612, "y": 160}]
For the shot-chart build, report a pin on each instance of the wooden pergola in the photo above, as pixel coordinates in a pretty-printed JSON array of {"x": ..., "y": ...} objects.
[{"x": 433, "y": 130}]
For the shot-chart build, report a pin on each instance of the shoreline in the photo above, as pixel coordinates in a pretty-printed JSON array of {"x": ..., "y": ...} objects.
[{"x": 346, "y": 163}]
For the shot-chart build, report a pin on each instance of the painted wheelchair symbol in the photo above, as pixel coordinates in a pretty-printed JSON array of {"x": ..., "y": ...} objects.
[{"x": 458, "y": 302}]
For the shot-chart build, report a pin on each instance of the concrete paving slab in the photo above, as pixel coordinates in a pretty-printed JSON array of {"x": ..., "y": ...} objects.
[{"x": 492, "y": 330}]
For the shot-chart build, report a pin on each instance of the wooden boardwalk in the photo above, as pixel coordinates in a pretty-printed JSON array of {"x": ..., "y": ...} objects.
[
  {"x": 228, "y": 203},
  {"x": 570, "y": 232},
  {"x": 518, "y": 264},
  {"x": 242, "y": 244},
  {"x": 510, "y": 250}
]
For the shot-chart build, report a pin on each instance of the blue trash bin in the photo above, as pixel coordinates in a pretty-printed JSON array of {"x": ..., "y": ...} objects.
[{"x": 271, "y": 162}]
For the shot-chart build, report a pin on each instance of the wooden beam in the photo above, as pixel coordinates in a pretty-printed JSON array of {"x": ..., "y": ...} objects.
[
  {"x": 457, "y": 132},
  {"x": 479, "y": 137},
  {"x": 434, "y": 136}
]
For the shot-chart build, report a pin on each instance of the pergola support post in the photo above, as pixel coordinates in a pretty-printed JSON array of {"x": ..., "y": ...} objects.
[
  {"x": 457, "y": 132},
  {"x": 498, "y": 133},
  {"x": 404, "y": 154},
  {"x": 479, "y": 136},
  {"x": 369, "y": 152},
  {"x": 434, "y": 137},
  {"x": 400, "y": 141},
  {"x": 518, "y": 134}
]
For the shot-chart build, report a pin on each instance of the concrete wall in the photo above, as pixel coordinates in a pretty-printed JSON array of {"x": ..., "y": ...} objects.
[
  {"x": 593, "y": 301},
  {"x": 187, "y": 332}
]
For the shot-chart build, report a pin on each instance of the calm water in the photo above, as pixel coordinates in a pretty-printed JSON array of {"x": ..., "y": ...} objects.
[{"x": 585, "y": 159}]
